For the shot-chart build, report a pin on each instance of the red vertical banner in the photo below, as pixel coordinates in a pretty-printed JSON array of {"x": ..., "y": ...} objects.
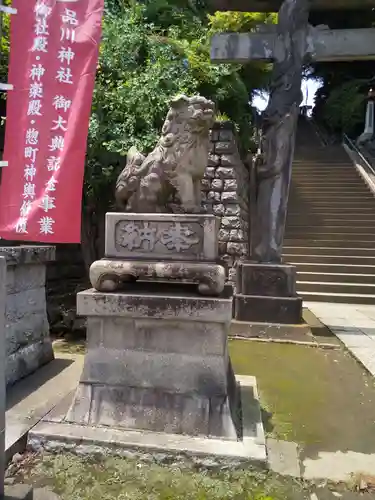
[{"x": 53, "y": 60}]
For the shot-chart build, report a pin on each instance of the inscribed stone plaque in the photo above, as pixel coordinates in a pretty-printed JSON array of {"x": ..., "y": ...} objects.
[
  {"x": 267, "y": 280},
  {"x": 161, "y": 236}
]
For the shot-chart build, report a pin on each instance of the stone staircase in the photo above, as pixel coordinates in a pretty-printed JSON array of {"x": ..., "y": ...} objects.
[{"x": 330, "y": 233}]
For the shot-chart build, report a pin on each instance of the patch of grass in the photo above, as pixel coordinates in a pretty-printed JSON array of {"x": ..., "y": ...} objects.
[
  {"x": 319, "y": 398},
  {"x": 79, "y": 478}
]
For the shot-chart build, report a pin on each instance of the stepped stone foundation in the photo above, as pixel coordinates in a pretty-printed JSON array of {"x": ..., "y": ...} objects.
[
  {"x": 28, "y": 344},
  {"x": 266, "y": 293},
  {"x": 157, "y": 361}
]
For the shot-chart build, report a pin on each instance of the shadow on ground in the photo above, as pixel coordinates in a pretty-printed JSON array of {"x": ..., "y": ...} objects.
[
  {"x": 27, "y": 386},
  {"x": 318, "y": 329}
]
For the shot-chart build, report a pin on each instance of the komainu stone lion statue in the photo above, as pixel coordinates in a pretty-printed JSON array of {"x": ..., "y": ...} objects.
[{"x": 169, "y": 178}]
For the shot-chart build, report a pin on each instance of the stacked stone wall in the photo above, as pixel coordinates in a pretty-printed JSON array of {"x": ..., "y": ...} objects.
[
  {"x": 226, "y": 195},
  {"x": 28, "y": 344}
]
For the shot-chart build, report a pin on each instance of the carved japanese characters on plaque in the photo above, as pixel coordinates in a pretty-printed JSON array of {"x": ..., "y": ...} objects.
[{"x": 151, "y": 237}]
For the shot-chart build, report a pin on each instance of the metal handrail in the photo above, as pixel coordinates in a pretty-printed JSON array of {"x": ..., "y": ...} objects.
[
  {"x": 318, "y": 132},
  {"x": 355, "y": 149}
]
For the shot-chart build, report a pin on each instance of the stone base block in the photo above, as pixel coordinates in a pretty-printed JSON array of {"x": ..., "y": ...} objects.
[
  {"x": 157, "y": 361},
  {"x": 284, "y": 310},
  {"x": 266, "y": 293},
  {"x": 254, "y": 330},
  {"x": 271, "y": 280},
  {"x": 55, "y": 434},
  {"x": 28, "y": 344},
  {"x": 152, "y": 409},
  {"x": 28, "y": 359},
  {"x": 18, "y": 492}
]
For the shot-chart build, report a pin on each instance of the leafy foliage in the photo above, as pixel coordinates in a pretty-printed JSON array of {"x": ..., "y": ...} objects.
[
  {"x": 4, "y": 46},
  {"x": 344, "y": 107},
  {"x": 239, "y": 22},
  {"x": 340, "y": 103},
  {"x": 150, "y": 52}
]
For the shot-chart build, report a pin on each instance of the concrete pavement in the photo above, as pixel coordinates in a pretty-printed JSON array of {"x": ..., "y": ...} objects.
[{"x": 353, "y": 324}]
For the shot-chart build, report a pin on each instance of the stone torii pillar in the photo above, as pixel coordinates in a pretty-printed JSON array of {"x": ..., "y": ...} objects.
[{"x": 267, "y": 288}]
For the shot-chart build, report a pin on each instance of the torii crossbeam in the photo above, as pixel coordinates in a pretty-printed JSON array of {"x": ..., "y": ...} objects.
[{"x": 323, "y": 44}]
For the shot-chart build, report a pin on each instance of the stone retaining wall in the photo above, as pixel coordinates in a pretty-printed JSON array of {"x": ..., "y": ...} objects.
[
  {"x": 226, "y": 195},
  {"x": 28, "y": 344}
]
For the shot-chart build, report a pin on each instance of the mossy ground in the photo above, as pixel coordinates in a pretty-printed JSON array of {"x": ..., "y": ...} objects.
[
  {"x": 79, "y": 478},
  {"x": 319, "y": 398}
]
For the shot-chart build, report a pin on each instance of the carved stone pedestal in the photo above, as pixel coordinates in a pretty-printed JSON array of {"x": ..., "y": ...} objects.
[
  {"x": 157, "y": 359},
  {"x": 160, "y": 247},
  {"x": 266, "y": 293}
]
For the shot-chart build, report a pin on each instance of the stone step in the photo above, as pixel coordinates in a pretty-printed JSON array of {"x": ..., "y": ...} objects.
[
  {"x": 309, "y": 235},
  {"x": 329, "y": 175},
  {"x": 356, "y": 204},
  {"x": 321, "y": 157},
  {"x": 310, "y": 212},
  {"x": 343, "y": 190},
  {"x": 323, "y": 164},
  {"x": 313, "y": 184},
  {"x": 334, "y": 189},
  {"x": 326, "y": 267},
  {"x": 336, "y": 287},
  {"x": 330, "y": 259},
  {"x": 314, "y": 243},
  {"x": 338, "y": 177},
  {"x": 322, "y": 160},
  {"x": 319, "y": 277},
  {"x": 324, "y": 170},
  {"x": 324, "y": 191},
  {"x": 331, "y": 251},
  {"x": 342, "y": 298},
  {"x": 361, "y": 194},
  {"x": 333, "y": 211},
  {"x": 350, "y": 228},
  {"x": 304, "y": 199},
  {"x": 328, "y": 186},
  {"x": 297, "y": 194},
  {"x": 325, "y": 161},
  {"x": 368, "y": 221}
]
